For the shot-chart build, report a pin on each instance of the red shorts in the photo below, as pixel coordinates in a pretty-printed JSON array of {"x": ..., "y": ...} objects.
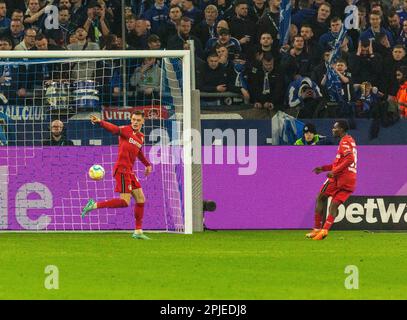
[
  {"x": 126, "y": 182},
  {"x": 330, "y": 189}
]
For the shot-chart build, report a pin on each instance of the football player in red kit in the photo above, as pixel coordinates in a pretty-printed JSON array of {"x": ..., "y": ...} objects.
[
  {"x": 341, "y": 181},
  {"x": 130, "y": 143}
]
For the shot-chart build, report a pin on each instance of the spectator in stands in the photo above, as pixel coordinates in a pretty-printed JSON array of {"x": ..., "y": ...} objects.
[
  {"x": 402, "y": 37},
  {"x": 179, "y": 41},
  {"x": 16, "y": 32},
  {"x": 222, "y": 24},
  {"x": 243, "y": 29},
  {"x": 190, "y": 11},
  {"x": 296, "y": 62},
  {"x": 34, "y": 16},
  {"x": 401, "y": 97},
  {"x": 17, "y": 15},
  {"x": 73, "y": 39},
  {"x": 214, "y": 76},
  {"x": 310, "y": 137},
  {"x": 392, "y": 63},
  {"x": 366, "y": 65},
  {"x": 206, "y": 29},
  {"x": 266, "y": 84},
  {"x": 57, "y": 135},
  {"x": 402, "y": 12},
  {"x": 224, "y": 38},
  {"x": 394, "y": 24},
  {"x": 137, "y": 39},
  {"x": 4, "y": 20},
  {"x": 270, "y": 20},
  {"x": 223, "y": 54},
  {"x": 304, "y": 97},
  {"x": 60, "y": 36},
  {"x": 327, "y": 40},
  {"x": 83, "y": 43},
  {"x": 154, "y": 42},
  {"x": 42, "y": 43},
  {"x": 311, "y": 45},
  {"x": 96, "y": 25},
  {"x": 375, "y": 29},
  {"x": 29, "y": 40},
  {"x": 267, "y": 45},
  {"x": 346, "y": 98},
  {"x": 319, "y": 71},
  {"x": 256, "y": 10},
  {"x": 157, "y": 15},
  {"x": 320, "y": 22},
  {"x": 64, "y": 4},
  {"x": 367, "y": 99},
  {"x": 237, "y": 77},
  {"x": 78, "y": 12},
  {"x": 147, "y": 80},
  {"x": 130, "y": 24},
  {"x": 304, "y": 13},
  {"x": 169, "y": 28}
]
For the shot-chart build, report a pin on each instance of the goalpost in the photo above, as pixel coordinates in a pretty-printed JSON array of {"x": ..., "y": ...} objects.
[{"x": 43, "y": 188}]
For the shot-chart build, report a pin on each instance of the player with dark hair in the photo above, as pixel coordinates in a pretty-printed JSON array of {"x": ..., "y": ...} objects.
[
  {"x": 130, "y": 143},
  {"x": 341, "y": 180}
]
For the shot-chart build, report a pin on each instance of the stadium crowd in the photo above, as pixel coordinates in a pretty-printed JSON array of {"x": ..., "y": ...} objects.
[{"x": 238, "y": 49}]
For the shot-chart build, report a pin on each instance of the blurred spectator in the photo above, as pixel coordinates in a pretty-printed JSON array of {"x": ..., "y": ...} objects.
[
  {"x": 214, "y": 76},
  {"x": 311, "y": 45},
  {"x": 82, "y": 41},
  {"x": 222, "y": 24},
  {"x": 17, "y": 15},
  {"x": 60, "y": 36},
  {"x": 346, "y": 98},
  {"x": 375, "y": 29},
  {"x": 157, "y": 15},
  {"x": 296, "y": 62},
  {"x": 401, "y": 97},
  {"x": 78, "y": 12},
  {"x": 224, "y": 38},
  {"x": 29, "y": 40},
  {"x": 402, "y": 12},
  {"x": 223, "y": 54},
  {"x": 304, "y": 13},
  {"x": 192, "y": 12},
  {"x": 319, "y": 71},
  {"x": 320, "y": 22},
  {"x": 394, "y": 24},
  {"x": 34, "y": 16},
  {"x": 367, "y": 98},
  {"x": 310, "y": 137},
  {"x": 146, "y": 80},
  {"x": 327, "y": 40},
  {"x": 270, "y": 20},
  {"x": 237, "y": 76},
  {"x": 96, "y": 25},
  {"x": 206, "y": 29},
  {"x": 243, "y": 28},
  {"x": 16, "y": 32},
  {"x": 4, "y": 20},
  {"x": 179, "y": 41},
  {"x": 366, "y": 65},
  {"x": 57, "y": 135},
  {"x": 138, "y": 37},
  {"x": 402, "y": 36},
  {"x": 154, "y": 42},
  {"x": 304, "y": 96},
  {"x": 266, "y": 84},
  {"x": 393, "y": 63},
  {"x": 42, "y": 43},
  {"x": 267, "y": 45},
  {"x": 256, "y": 10},
  {"x": 169, "y": 28}
]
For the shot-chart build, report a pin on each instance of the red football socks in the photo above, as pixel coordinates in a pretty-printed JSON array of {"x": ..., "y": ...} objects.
[
  {"x": 318, "y": 221},
  {"x": 139, "y": 213},
  {"x": 114, "y": 203},
  {"x": 329, "y": 222}
]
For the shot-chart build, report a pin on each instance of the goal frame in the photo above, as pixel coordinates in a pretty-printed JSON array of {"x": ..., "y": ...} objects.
[{"x": 185, "y": 56}]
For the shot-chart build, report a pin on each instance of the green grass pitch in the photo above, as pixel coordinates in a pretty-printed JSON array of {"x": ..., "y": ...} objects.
[{"x": 209, "y": 265}]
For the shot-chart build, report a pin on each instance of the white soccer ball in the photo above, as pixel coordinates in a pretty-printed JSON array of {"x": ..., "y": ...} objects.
[{"x": 96, "y": 172}]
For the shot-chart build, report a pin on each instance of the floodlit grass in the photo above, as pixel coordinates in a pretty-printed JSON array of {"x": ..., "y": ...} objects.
[{"x": 209, "y": 265}]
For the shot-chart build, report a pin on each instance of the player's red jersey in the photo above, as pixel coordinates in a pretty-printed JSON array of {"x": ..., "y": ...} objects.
[
  {"x": 344, "y": 167},
  {"x": 130, "y": 144}
]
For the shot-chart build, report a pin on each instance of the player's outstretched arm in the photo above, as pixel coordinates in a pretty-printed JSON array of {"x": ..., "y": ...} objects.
[{"x": 104, "y": 124}]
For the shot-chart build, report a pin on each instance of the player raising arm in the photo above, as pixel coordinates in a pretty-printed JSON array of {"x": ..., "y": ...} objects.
[
  {"x": 131, "y": 141},
  {"x": 341, "y": 181}
]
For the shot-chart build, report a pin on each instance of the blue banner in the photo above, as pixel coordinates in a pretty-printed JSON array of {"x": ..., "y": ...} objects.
[{"x": 285, "y": 21}]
